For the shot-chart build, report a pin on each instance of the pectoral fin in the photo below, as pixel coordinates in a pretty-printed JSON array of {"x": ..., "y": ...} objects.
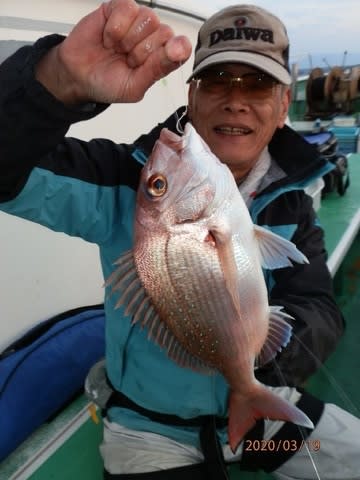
[
  {"x": 276, "y": 251},
  {"x": 229, "y": 268},
  {"x": 278, "y": 337}
]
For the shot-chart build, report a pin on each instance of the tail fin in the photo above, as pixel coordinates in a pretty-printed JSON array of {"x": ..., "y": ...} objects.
[{"x": 244, "y": 411}]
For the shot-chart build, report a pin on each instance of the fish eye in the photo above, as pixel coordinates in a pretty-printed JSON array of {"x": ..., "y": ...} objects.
[{"x": 157, "y": 185}]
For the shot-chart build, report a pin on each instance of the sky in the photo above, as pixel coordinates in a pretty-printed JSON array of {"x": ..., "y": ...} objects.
[{"x": 315, "y": 27}]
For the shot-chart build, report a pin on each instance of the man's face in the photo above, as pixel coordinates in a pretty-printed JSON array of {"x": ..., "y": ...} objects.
[{"x": 237, "y": 118}]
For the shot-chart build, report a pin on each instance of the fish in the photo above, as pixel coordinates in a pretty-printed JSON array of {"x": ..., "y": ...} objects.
[{"x": 194, "y": 277}]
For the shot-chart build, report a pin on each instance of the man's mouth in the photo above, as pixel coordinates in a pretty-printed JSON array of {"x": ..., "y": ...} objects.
[{"x": 228, "y": 130}]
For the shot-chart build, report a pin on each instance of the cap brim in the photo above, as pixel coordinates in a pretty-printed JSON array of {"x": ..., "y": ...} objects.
[{"x": 266, "y": 64}]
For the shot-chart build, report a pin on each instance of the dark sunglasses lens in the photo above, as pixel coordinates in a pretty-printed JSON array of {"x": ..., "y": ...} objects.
[
  {"x": 258, "y": 82},
  {"x": 215, "y": 81},
  {"x": 256, "y": 85}
]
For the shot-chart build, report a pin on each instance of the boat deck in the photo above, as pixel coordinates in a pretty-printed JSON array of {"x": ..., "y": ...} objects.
[
  {"x": 340, "y": 217},
  {"x": 67, "y": 447}
]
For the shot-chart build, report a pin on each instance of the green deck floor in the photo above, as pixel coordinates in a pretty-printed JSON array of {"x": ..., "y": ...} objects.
[
  {"x": 343, "y": 366},
  {"x": 77, "y": 459}
]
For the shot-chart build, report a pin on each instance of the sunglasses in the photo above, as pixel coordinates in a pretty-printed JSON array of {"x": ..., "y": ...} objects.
[{"x": 256, "y": 85}]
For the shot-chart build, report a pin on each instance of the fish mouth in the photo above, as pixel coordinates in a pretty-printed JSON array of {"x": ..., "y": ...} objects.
[{"x": 233, "y": 130}]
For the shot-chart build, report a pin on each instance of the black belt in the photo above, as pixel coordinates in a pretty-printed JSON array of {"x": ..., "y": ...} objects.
[
  {"x": 209, "y": 440},
  {"x": 118, "y": 399}
]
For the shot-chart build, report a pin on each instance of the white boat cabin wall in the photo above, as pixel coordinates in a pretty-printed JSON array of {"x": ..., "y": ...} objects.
[{"x": 45, "y": 273}]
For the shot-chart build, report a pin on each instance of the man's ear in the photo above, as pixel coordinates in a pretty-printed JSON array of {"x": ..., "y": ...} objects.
[
  {"x": 284, "y": 106},
  {"x": 191, "y": 93}
]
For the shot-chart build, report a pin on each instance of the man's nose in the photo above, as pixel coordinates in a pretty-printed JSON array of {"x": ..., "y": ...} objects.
[{"x": 236, "y": 99}]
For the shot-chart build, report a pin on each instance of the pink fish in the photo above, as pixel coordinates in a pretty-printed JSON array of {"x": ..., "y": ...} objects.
[{"x": 194, "y": 278}]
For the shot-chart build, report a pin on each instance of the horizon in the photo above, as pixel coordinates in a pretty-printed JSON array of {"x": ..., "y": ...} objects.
[
  {"x": 317, "y": 28},
  {"x": 326, "y": 60}
]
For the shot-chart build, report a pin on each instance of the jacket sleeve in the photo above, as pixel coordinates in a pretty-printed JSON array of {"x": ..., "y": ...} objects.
[
  {"x": 306, "y": 293},
  {"x": 63, "y": 183}
]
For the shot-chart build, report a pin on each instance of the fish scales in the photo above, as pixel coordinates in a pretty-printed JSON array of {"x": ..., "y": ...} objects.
[
  {"x": 196, "y": 285},
  {"x": 178, "y": 318}
]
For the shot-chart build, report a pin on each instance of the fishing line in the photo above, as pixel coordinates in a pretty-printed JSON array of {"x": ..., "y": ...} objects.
[
  {"x": 179, "y": 127},
  {"x": 170, "y": 98},
  {"x": 340, "y": 391},
  {"x": 336, "y": 386},
  {"x": 351, "y": 407},
  {"x": 186, "y": 100},
  {"x": 309, "y": 453},
  {"x": 316, "y": 471}
]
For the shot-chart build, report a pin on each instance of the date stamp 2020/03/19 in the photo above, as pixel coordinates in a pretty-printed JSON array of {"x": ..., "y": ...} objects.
[{"x": 281, "y": 445}]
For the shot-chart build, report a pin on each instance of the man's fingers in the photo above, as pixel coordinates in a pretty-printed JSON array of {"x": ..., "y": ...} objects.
[
  {"x": 157, "y": 66},
  {"x": 145, "y": 24},
  {"x": 178, "y": 49},
  {"x": 127, "y": 25},
  {"x": 119, "y": 16},
  {"x": 163, "y": 61},
  {"x": 136, "y": 31},
  {"x": 139, "y": 54},
  {"x": 168, "y": 58}
]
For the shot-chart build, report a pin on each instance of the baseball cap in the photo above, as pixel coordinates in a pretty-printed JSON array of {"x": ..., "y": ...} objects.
[{"x": 244, "y": 34}]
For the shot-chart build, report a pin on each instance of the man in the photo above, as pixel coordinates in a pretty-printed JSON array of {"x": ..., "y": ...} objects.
[{"x": 165, "y": 422}]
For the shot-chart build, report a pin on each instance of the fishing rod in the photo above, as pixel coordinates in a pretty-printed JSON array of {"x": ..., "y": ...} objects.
[{"x": 160, "y": 6}]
